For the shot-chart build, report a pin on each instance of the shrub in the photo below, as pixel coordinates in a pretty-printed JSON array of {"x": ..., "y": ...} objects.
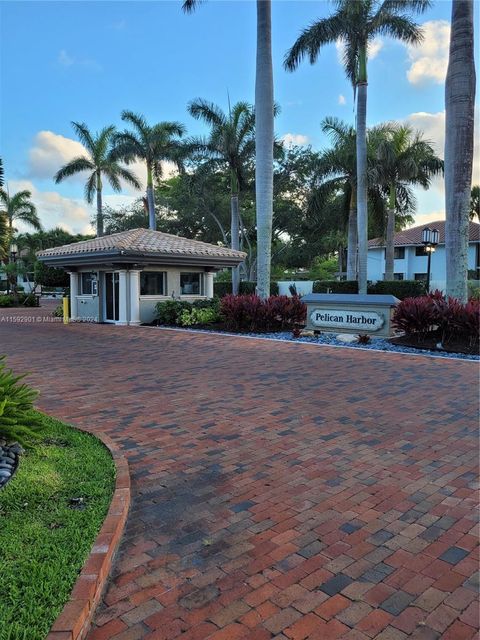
[
  {"x": 169, "y": 311},
  {"x": 251, "y": 313},
  {"x": 335, "y": 286},
  {"x": 6, "y": 300},
  {"x": 433, "y": 312},
  {"x": 364, "y": 338},
  {"x": 17, "y": 418},
  {"x": 401, "y": 289},
  {"x": 58, "y": 311},
  {"x": 195, "y": 316}
]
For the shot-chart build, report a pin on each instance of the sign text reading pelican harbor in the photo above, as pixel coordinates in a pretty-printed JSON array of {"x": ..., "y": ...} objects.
[{"x": 345, "y": 319}]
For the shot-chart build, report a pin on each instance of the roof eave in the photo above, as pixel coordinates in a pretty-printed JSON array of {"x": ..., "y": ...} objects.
[{"x": 128, "y": 257}]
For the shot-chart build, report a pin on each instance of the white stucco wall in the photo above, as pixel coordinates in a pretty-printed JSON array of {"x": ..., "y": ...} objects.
[{"x": 413, "y": 264}]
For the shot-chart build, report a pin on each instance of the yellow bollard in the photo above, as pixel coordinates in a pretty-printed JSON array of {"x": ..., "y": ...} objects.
[{"x": 65, "y": 311}]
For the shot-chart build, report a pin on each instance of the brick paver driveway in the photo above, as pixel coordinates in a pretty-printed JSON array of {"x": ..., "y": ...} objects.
[{"x": 279, "y": 490}]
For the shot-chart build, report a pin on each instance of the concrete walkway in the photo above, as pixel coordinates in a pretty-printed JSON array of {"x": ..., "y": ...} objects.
[{"x": 279, "y": 490}]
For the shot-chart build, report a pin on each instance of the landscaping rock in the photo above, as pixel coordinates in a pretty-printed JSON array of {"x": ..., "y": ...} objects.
[{"x": 346, "y": 338}]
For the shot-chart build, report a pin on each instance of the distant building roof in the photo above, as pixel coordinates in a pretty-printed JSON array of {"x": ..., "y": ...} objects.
[
  {"x": 413, "y": 236},
  {"x": 145, "y": 244}
]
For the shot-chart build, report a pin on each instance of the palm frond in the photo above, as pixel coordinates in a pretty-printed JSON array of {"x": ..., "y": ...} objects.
[
  {"x": 77, "y": 165},
  {"x": 91, "y": 187},
  {"x": 209, "y": 112},
  {"x": 399, "y": 27},
  {"x": 312, "y": 39},
  {"x": 138, "y": 122},
  {"x": 189, "y": 6},
  {"x": 1, "y": 173},
  {"x": 84, "y": 135},
  {"x": 416, "y": 6}
]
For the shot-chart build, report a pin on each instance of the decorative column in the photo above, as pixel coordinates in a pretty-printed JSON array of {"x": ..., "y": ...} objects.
[
  {"x": 73, "y": 294},
  {"x": 134, "y": 297},
  {"x": 122, "y": 297},
  {"x": 209, "y": 284}
]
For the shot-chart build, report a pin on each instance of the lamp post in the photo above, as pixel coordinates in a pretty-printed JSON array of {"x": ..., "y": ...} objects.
[
  {"x": 429, "y": 240},
  {"x": 13, "y": 250}
]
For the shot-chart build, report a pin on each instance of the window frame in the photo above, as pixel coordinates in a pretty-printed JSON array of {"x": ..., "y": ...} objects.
[
  {"x": 164, "y": 280},
  {"x": 201, "y": 283},
  {"x": 421, "y": 251},
  {"x": 93, "y": 282},
  {"x": 423, "y": 276},
  {"x": 402, "y": 276}
]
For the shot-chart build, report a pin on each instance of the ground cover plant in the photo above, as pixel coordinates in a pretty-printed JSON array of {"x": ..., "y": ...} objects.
[
  {"x": 50, "y": 512},
  {"x": 436, "y": 321}
]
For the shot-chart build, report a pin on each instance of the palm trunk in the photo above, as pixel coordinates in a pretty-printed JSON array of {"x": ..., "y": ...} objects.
[
  {"x": 362, "y": 213},
  {"x": 352, "y": 238},
  {"x": 264, "y": 146},
  {"x": 235, "y": 228},
  {"x": 459, "y": 130},
  {"x": 150, "y": 200},
  {"x": 99, "y": 207},
  {"x": 389, "y": 246}
]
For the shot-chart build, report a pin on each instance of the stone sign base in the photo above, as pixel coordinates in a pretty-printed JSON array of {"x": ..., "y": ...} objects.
[{"x": 350, "y": 313}]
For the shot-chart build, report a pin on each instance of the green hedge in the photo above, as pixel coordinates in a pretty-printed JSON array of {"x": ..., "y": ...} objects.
[
  {"x": 335, "y": 286},
  {"x": 221, "y": 289},
  {"x": 24, "y": 300},
  {"x": 399, "y": 288}
]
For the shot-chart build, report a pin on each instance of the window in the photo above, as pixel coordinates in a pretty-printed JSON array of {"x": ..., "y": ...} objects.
[
  {"x": 399, "y": 253},
  {"x": 88, "y": 284},
  {"x": 398, "y": 276},
  {"x": 420, "y": 276},
  {"x": 191, "y": 284},
  {"x": 153, "y": 283},
  {"x": 420, "y": 251}
]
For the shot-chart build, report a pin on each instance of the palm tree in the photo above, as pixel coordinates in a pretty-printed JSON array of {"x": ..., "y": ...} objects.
[
  {"x": 337, "y": 173},
  {"x": 459, "y": 130},
  {"x": 264, "y": 142},
  {"x": 475, "y": 203},
  {"x": 152, "y": 144},
  {"x": 404, "y": 159},
  {"x": 230, "y": 146},
  {"x": 99, "y": 161},
  {"x": 18, "y": 208},
  {"x": 357, "y": 24}
]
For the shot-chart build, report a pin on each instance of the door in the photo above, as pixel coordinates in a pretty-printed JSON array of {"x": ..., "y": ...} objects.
[{"x": 111, "y": 296}]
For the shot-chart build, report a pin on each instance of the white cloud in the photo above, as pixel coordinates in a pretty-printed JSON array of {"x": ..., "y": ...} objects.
[
  {"x": 341, "y": 99},
  {"x": 292, "y": 139},
  {"x": 55, "y": 210},
  {"x": 426, "y": 218},
  {"x": 50, "y": 152},
  {"x": 374, "y": 48},
  {"x": 433, "y": 127},
  {"x": 429, "y": 60},
  {"x": 64, "y": 59}
]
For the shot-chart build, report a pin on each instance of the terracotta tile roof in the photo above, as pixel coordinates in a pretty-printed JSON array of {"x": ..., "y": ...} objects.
[
  {"x": 143, "y": 242},
  {"x": 413, "y": 236}
]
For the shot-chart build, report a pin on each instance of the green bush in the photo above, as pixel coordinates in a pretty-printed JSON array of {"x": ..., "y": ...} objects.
[
  {"x": 335, "y": 286},
  {"x": 170, "y": 310},
  {"x": 401, "y": 289},
  {"x": 58, "y": 311},
  {"x": 198, "y": 316},
  {"x": 6, "y": 300},
  {"x": 49, "y": 276},
  {"x": 16, "y": 406},
  {"x": 246, "y": 287}
]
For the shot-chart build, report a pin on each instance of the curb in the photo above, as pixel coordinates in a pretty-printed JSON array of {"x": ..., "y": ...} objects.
[{"x": 74, "y": 621}]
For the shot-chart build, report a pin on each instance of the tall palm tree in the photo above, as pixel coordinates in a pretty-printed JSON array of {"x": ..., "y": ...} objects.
[
  {"x": 337, "y": 172},
  {"x": 404, "y": 159},
  {"x": 230, "y": 145},
  {"x": 264, "y": 141},
  {"x": 459, "y": 128},
  {"x": 357, "y": 24},
  {"x": 99, "y": 161},
  {"x": 152, "y": 144},
  {"x": 18, "y": 208}
]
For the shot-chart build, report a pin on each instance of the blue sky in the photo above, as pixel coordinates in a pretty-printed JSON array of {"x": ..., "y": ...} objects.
[{"x": 86, "y": 61}]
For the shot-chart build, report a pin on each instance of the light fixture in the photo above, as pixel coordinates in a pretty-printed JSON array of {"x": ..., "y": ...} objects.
[
  {"x": 434, "y": 237},
  {"x": 426, "y": 235}
]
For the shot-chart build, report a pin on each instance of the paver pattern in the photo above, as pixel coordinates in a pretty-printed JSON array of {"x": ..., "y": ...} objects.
[{"x": 280, "y": 490}]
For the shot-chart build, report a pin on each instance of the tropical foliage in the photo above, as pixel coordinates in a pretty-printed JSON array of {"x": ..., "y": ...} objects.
[{"x": 99, "y": 161}]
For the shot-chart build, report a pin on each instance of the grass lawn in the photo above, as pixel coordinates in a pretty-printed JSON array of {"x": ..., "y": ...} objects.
[{"x": 44, "y": 539}]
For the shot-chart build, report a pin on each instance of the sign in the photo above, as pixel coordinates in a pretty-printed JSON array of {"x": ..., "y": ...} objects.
[{"x": 345, "y": 319}]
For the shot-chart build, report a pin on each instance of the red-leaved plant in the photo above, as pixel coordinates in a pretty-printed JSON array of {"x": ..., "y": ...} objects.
[{"x": 251, "y": 313}]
